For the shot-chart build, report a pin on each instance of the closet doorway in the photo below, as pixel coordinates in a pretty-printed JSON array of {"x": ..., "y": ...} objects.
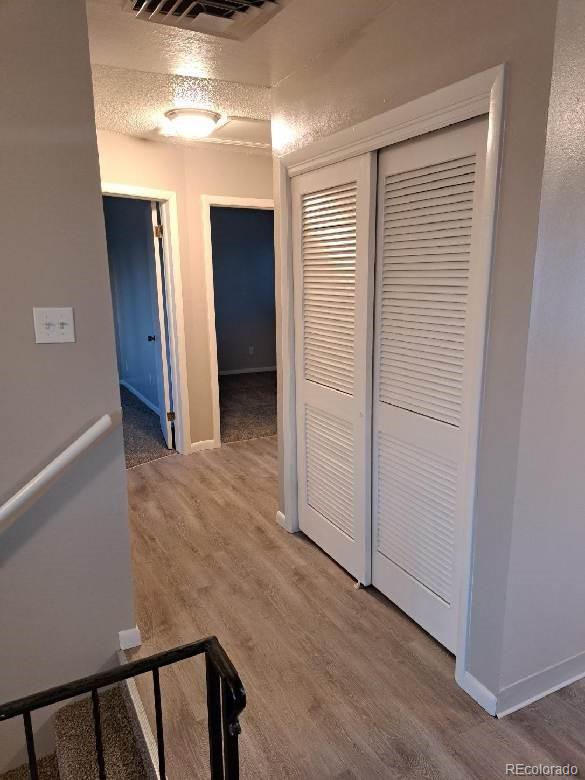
[{"x": 391, "y": 284}]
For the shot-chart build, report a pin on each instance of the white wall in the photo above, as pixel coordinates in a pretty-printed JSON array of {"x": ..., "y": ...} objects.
[
  {"x": 190, "y": 172},
  {"x": 133, "y": 283},
  {"x": 544, "y": 638},
  {"x": 412, "y": 49},
  {"x": 65, "y": 576}
]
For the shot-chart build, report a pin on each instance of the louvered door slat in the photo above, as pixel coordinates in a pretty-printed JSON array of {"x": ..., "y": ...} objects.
[{"x": 426, "y": 277}]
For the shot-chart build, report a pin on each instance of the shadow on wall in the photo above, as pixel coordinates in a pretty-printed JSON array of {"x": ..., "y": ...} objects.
[{"x": 243, "y": 279}]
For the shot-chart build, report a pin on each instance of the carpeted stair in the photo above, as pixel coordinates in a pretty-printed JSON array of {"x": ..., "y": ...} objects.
[{"x": 75, "y": 754}]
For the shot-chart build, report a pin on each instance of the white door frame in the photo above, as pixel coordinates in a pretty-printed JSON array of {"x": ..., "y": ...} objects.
[
  {"x": 174, "y": 297},
  {"x": 480, "y": 94},
  {"x": 207, "y": 201}
]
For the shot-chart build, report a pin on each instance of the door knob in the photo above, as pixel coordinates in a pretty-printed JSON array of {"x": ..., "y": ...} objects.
[{"x": 152, "y": 338}]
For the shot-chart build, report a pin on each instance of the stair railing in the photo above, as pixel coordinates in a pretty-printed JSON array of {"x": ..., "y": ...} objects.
[
  {"x": 226, "y": 699},
  {"x": 39, "y": 484}
]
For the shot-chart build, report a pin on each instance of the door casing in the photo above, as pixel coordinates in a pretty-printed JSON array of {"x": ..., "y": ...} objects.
[{"x": 478, "y": 95}]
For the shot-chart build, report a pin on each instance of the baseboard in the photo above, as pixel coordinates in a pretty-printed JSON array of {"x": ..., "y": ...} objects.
[
  {"x": 207, "y": 444},
  {"x": 248, "y": 370},
  {"x": 140, "y": 724},
  {"x": 537, "y": 686},
  {"x": 130, "y": 638},
  {"x": 140, "y": 397},
  {"x": 482, "y": 695}
]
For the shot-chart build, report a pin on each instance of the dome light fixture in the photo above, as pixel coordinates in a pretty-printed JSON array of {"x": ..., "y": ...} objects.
[{"x": 192, "y": 122}]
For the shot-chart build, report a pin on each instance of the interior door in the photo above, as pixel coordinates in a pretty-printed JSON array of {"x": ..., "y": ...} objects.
[
  {"x": 431, "y": 299},
  {"x": 161, "y": 341},
  {"x": 333, "y": 240}
]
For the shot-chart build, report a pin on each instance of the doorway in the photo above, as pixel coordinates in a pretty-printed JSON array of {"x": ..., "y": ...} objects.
[
  {"x": 139, "y": 302},
  {"x": 241, "y": 279}
]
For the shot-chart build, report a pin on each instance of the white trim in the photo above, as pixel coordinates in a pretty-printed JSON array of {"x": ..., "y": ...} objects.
[
  {"x": 262, "y": 370},
  {"x": 207, "y": 201},
  {"x": 163, "y": 391},
  {"x": 206, "y": 444},
  {"x": 477, "y": 95},
  {"x": 173, "y": 278},
  {"x": 139, "y": 395},
  {"x": 130, "y": 638},
  {"x": 479, "y": 692},
  {"x": 489, "y": 211},
  {"x": 24, "y": 498},
  {"x": 140, "y": 722},
  {"x": 457, "y": 102},
  {"x": 285, "y": 352},
  {"x": 537, "y": 686}
]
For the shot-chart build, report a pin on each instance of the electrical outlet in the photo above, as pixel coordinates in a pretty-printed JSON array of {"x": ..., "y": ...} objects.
[
  {"x": 251, "y": 349},
  {"x": 54, "y": 325}
]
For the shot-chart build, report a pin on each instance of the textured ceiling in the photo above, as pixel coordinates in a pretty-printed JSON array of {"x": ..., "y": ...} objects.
[
  {"x": 302, "y": 30},
  {"x": 133, "y": 102},
  {"x": 143, "y": 69}
]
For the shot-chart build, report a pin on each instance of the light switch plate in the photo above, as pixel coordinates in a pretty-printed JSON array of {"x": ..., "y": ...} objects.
[{"x": 54, "y": 325}]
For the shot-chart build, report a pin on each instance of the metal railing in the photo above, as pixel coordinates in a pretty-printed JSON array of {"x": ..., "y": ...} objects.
[{"x": 226, "y": 700}]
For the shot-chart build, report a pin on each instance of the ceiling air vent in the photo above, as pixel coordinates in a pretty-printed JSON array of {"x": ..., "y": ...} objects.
[{"x": 236, "y": 19}]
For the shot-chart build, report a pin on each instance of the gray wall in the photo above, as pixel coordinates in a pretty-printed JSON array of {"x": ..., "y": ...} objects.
[
  {"x": 65, "y": 576},
  {"x": 412, "y": 49},
  {"x": 545, "y": 624},
  {"x": 133, "y": 284},
  {"x": 243, "y": 282}
]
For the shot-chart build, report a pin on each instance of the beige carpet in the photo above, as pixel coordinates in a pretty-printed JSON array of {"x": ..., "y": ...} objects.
[{"x": 47, "y": 766}]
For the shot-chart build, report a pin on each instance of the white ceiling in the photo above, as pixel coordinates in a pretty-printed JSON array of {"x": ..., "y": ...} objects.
[{"x": 142, "y": 69}]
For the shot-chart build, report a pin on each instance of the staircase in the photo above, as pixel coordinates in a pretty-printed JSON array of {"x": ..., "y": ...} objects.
[
  {"x": 75, "y": 751},
  {"x": 99, "y": 737}
]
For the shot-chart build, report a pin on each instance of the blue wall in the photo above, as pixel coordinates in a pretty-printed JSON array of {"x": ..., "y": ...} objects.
[
  {"x": 243, "y": 278},
  {"x": 133, "y": 284}
]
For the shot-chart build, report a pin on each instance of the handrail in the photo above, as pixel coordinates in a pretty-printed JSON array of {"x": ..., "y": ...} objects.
[
  {"x": 226, "y": 699},
  {"x": 29, "y": 493}
]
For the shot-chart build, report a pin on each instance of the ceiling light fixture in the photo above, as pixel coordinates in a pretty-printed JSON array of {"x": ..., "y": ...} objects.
[{"x": 192, "y": 122}]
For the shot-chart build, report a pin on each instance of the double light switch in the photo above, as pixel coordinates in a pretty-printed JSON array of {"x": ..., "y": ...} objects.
[{"x": 53, "y": 325}]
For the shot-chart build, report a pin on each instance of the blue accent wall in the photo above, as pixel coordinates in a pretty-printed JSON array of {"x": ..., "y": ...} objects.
[
  {"x": 243, "y": 278},
  {"x": 133, "y": 284}
]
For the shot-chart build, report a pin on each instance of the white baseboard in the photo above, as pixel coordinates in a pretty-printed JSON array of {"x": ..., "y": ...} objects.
[
  {"x": 140, "y": 724},
  {"x": 207, "y": 444},
  {"x": 140, "y": 397},
  {"x": 130, "y": 638},
  {"x": 537, "y": 686},
  {"x": 482, "y": 695},
  {"x": 248, "y": 370}
]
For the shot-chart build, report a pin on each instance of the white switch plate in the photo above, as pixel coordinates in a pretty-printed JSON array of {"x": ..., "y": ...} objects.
[{"x": 53, "y": 325}]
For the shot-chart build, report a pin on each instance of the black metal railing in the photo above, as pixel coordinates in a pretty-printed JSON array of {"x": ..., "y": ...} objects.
[{"x": 226, "y": 699}]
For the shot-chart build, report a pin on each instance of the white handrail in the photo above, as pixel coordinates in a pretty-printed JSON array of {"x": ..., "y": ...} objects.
[{"x": 28, "y": 494}]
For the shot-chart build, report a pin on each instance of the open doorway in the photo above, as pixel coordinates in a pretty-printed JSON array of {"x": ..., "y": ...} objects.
[
  {"x": 139, "y": 301},
  {"x": 242, "y": 263}
]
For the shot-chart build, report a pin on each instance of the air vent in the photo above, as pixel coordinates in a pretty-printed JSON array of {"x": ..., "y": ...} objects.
[{"x": 236, "y": 19}]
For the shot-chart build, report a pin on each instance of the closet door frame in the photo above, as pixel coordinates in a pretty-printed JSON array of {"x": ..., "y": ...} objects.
[{"x": 478, "y": 95}]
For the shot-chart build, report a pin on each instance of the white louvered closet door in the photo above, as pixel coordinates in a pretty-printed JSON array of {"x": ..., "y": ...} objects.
[
  {"x": 431, "y": 294},
  {"x": 333, "y": 253}
]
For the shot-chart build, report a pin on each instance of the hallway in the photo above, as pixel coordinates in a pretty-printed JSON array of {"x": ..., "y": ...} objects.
[{"x": 340, "y": 683}]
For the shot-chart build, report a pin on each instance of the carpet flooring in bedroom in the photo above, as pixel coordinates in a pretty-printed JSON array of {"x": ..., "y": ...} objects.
[
  {"x": 247, "y": 406},
  {"x": 143, "y": 439}
]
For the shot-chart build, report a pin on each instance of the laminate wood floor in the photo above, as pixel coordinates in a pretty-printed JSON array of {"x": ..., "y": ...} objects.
[{"x": 340, "y": 683}]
